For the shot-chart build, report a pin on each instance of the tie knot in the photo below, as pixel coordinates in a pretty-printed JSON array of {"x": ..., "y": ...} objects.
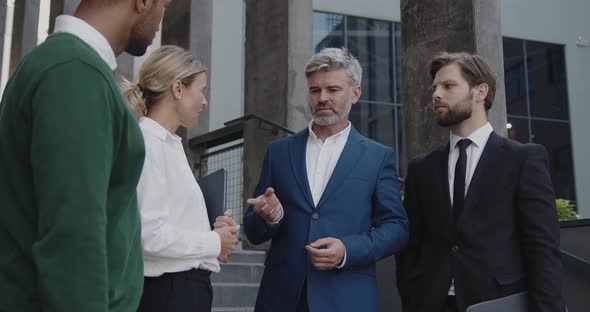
[{"x": 463, "y": 143}]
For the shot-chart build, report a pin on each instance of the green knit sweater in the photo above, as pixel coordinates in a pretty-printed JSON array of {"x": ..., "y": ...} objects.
[{"x": 71, "y": 155}]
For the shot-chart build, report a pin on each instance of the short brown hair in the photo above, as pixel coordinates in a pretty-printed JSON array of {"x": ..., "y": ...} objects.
[{"x": 474, "y": 68}]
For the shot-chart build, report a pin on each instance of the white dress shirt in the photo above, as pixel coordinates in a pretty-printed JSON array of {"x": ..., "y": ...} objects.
[
  {"x": 478, "y": 138},
  {"x": 79, "y": 28},
  {"x": 175, "y": 230},
  {"x": 321, "y": 159}
]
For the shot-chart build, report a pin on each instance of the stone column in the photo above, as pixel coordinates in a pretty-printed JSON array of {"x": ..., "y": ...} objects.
[
  {"x": 59, "y": 7},
  {"x": 56, "y": 9},
  {"x": 70, "y": 6},
  {"x": 30, "y": 28},
  {"x": 3, "y": 22},
  {"x": 488, "y": 43},
  {"x": 17, "y": 35},
  {"x": 429, "y": 26},
  {"x": 6, "y": 7},
  {"x": 188, "y": 24},
  {"x": 200, "y": 42},
  {"x": 278, "y": 44}
]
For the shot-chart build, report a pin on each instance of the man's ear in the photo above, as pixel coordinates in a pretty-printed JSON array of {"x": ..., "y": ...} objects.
[
  {"x": 356, "y": 94},
  {"x": 481, "y": 91}
]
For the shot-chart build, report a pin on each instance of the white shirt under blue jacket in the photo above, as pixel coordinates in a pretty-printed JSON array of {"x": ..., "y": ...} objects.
[{"x": 360, "y": 205}]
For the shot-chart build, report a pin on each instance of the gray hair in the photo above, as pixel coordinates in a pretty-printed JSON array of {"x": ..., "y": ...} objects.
[{"x": 329, "y": 59}]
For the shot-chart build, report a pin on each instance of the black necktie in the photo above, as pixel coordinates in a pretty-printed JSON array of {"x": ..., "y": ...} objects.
[{"x": 459, "y": 181}]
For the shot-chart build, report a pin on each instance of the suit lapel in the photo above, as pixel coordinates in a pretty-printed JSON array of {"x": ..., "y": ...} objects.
[
  {"x": 441, "y": 171},
  {"x": 443, "y": 174},
  {"x": 486, "y": 163},
  {"x": 298, "y": 149},
  {"x": 352, "y": 152}
]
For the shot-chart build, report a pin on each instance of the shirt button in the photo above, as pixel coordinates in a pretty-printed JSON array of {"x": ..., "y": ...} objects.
[
  {"x": 315, "y": 216},
  {"x": 455, "y": 248}
]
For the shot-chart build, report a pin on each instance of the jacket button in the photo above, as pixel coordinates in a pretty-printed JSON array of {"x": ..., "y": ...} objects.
[
  {"x": 455, "y": 248},
  {"x": 315, "y": 216}
]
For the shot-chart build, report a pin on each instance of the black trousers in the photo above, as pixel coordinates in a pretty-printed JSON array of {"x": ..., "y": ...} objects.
[{"x": 188, "y": 291}]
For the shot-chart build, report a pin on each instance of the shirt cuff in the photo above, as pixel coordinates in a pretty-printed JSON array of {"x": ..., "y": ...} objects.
[
  {"x": 280, "y": 218},
  {"x": 212, "y": 244},
  {"x": 343, "y": 260}
]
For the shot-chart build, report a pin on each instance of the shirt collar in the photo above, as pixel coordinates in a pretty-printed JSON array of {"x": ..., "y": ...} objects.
[
  {"x": 154, "y": 128},
  {"x": 342, "y": 134},
  {"x": 79, "y": 28},
  {"x": 479, "y": 137}
]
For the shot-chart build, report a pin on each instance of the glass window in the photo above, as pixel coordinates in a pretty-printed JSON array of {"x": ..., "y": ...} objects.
[
  {"x": 398, "y": 63},
  {"x": 518, "y": 129},
  {"x": 371, "y": 42},
  {"x": 175, "y": 23},
  {"x": 399, "y": 117},
  {"x": 555, "y": 136},
  {"x": 547, "y": 83},
  {"x": 514, "y": 77},
  {"x": 375, "y": 44},
  {"x": 328, "y": 30},
  {"x": 385, "y": 124},
  {"x": 537, "y": 105}
]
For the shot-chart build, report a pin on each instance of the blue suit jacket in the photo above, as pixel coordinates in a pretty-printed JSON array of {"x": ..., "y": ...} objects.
[{"x": 361, "y": 205}]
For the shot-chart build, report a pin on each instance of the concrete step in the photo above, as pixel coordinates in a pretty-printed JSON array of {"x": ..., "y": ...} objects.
[
  {"x": 236, "y": 286},
  {"x": 234, "y": 295},
  {"x": 237, "y": 272},
  {"x": 246, "y": 256}
]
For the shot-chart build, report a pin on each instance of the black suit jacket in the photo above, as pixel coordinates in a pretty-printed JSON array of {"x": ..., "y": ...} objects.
[{"x": 505, "y": 241}]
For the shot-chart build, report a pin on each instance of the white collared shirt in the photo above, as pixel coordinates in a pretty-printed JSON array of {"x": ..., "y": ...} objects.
[
  {"x": 175, "y": 231},
  {"x": 321, "y": 158},
  {"x": 79, "y": 28},
  {"x": 478, "y": 138}
]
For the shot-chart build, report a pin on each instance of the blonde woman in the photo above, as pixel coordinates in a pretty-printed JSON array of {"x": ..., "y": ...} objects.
[{"x": 180, "y": 251}]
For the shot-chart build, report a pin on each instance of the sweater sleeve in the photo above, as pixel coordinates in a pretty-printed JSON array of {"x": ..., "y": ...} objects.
[{"x": 71, "y": 158}]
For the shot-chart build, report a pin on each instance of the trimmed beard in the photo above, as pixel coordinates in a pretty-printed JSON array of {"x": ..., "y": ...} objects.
[
  {"x": 329, "y": 120},
  {"x": 334, "y": 119},
  {"x": 455, "y": 116}
]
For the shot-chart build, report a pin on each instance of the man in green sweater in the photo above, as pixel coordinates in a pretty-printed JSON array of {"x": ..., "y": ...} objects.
[{"x": 70, "y": 159}]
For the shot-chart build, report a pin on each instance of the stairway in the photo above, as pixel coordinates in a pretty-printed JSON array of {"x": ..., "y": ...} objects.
[{"x": 236, "y": 286}]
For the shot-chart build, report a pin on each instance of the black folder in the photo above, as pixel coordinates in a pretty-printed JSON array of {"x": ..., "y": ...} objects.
[{"x": 213, "y": 187}]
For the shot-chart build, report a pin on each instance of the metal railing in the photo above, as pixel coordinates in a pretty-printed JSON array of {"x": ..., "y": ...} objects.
[
  {"x": 575, "y": 258},
  {"x": 224, "y": 148}
]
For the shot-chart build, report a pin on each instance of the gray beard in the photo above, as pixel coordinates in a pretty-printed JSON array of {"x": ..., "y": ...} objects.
[{"x": 327, "y": 121}]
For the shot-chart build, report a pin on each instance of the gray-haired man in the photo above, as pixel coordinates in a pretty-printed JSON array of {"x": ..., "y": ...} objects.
[{"x": 329, "y": 199}]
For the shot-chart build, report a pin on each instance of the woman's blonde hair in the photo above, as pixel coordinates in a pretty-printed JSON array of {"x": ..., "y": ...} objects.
[{"x": 156, "y": 76}]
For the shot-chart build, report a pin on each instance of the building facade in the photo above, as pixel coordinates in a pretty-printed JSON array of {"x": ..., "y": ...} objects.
[{"x": 546, "y": 67}]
